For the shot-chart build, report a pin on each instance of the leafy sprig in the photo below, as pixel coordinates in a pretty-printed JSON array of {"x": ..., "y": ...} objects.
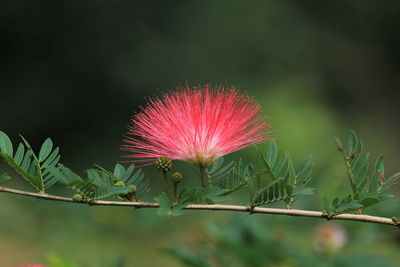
[
  {"x": 135, "y": 181},
  {"x": 279, "y": 180},
  {"x": 34, "y": 169},
  {"x": 101, "y": 183},
  {"x": 367, "y": 188},
  {"x": 231, "y": 177}
]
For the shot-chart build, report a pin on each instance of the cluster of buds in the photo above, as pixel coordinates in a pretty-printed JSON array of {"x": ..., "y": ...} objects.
[
  {"x": 131, "y": 188},
  {"x": 163, "y": 164},
  {"x": 176, "y": 177}
]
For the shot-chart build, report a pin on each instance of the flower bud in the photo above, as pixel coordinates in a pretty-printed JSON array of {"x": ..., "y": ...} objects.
[
  {"x": 132, "y": 188},
  {"x": 163, "y": 164},
  {"x": 119, "y": 184},
  {"x": 176, "y": 177},
  {"x": 77, "y": 197}
]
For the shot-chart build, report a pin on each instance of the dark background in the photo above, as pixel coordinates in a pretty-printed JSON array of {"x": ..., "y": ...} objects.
[{"x": 76, "y": 71}]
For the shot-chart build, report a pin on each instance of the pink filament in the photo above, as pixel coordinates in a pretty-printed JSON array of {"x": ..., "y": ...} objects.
[{"x": 196, "y": 125}]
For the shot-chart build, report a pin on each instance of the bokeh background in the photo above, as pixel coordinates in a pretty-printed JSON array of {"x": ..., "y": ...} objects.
[{"x": 76, "y": 71}]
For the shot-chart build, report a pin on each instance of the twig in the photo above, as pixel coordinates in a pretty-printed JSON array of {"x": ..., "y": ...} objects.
[{"x": 216, "y": 207}]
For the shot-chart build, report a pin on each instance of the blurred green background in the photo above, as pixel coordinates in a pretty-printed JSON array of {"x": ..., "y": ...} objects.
[{"x": 76, "y": 71}]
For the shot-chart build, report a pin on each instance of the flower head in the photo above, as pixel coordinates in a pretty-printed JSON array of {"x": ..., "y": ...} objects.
[{"x": 196, "y": 125}]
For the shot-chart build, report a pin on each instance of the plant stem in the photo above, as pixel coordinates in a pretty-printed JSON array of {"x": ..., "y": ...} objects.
[
  {"x": 166, "y": 183},
  {"x": 175, "y": 193},
  {"x": 218, "y": 207},
  {"x": 350, "y": 175},
  {"x": 203, "y": 176},
  {"x": 133, "y": 197}
]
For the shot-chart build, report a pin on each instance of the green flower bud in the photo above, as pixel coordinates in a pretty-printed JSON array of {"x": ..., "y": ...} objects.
[
  {"x": 132, "y": 188},
  {"x": 77, "y": 197},
  {"x": 176, "y": 177},
  {"x": 163, "y": 164},
  {"x": 119, "y": 184}
]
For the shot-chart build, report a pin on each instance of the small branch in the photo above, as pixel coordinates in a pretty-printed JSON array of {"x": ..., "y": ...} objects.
[
  {"x": 166, "y": 183},
  {"x": 216, "y": 207},
  {"x": 348, "y": 167},
  {"x": 203, "y": 176},
  {"x": 175, "y": 192}
]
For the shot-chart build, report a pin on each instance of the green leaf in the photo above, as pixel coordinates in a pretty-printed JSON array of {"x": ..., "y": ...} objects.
[
  {"x": 281, "y": 161},
  {"x": 45, "y": 150},
  {"x": 304, "y": 166},
  {"x": 34, "y": 169},
  {"x": 290, "y": 177},
  {"x": 338, "y": 206},
  {"x": 268, "y": 194},
  {"x": 4, "y": 177},
  {"x": 268, "y": 168},
  {"x": 383, "y": 197},
  {"x": 105, "y": 190},
  {"x": 5, "y": 144},
  {"x": 308, "y": 191},
  {"x": 96, "y": 186},
  {"x": 289, "y": 189},
  {"x": 360, "y": 168},
  {"x": 128, "y": 172},
  {"x": 272, "y": 152},
  {"x": 284, "y": 170},
  {"x": 216, "y": 165},
  {"x": 94, "y": 173},
  {"x": 391, "y": 181},
  {"x": 329, "y": 206},
  {"x": 220, "y": 175},
  {"x": 19, "y": 155},
  {"x": 23, "y": 170},
  {"x": 348, "y": 206},
  {"x": 119, "y": 171},
  {"x": 356, "y": 164},
  {"x": 167, "y": 207},
  {"x": 209, "y": 195},
  {"x": 52, "y": 159},
  {"x": 234, "y": 177},
  {"x": 279, "y": 168},
  {"x": 127, "y": 176},
  {"x": 252, "y": 187},
  {"x": 352, "y": 142},
  {"x": 369, "y": 201},
  {"x": 378, "y": 175},
  {"x": 65, "y": 176}
]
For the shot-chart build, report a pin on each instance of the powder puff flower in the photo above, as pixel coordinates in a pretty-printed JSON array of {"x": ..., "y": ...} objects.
[{"x": 196, "y": 125}]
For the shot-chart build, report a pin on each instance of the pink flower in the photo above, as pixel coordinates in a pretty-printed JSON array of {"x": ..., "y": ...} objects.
[{"x": 196, "y": 125}]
